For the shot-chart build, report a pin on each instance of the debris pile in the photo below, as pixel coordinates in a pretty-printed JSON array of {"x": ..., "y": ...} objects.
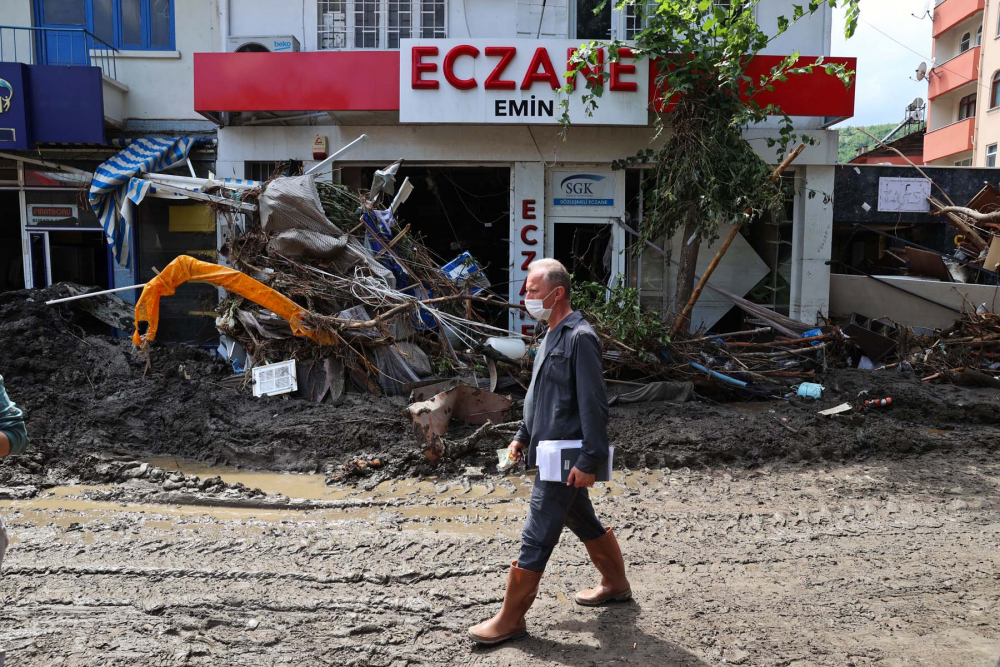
[
  {"x": 326, "y": 276},
  {"x": 967, "y": 352},
  {"x": 977, "y": 258}
]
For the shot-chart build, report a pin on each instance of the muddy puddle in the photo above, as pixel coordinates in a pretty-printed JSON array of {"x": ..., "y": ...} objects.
[{"x": 481, "y": 507}]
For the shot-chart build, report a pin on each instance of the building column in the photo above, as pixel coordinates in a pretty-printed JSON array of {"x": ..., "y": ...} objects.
[
  {"x": 527, "y": 234},
  {"x": 812, "y": 244}
]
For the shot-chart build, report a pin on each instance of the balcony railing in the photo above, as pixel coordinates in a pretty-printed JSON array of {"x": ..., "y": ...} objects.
[
  {"x": 949, "y": 140},
  {"x": 950, "y": 13},
  {"x": 57, "y": 46},
  {"x": 959, "y": 71}
]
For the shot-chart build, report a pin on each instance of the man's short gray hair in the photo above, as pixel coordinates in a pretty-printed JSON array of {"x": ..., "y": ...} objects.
[{"x": 553, "y": 273}]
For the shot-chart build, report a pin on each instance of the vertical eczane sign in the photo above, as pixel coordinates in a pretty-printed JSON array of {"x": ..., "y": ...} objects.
[
  {"x": 514, "y": 82},
  {"x": 527, "y": 236}
]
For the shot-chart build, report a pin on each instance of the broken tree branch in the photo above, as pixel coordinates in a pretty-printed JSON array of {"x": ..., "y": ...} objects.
[
  {"x": 685, "y": 315},
  {"x": 950, "y": 213}
]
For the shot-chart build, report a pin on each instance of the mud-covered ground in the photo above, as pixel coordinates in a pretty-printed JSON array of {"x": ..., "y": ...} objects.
[
  {"x": 754, "y": 533},
  {"x": 882, "y": 563},
  {"x": 94, "y": 411}
]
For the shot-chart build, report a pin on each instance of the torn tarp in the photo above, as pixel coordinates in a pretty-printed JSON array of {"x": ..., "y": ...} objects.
[
  {"x": 114, "y": 185},
  {"x": 669, "y": 392},
  {"x": 291, "y": 212}
]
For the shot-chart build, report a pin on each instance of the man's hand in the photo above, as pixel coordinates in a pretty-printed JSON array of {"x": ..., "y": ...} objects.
[
  {"x": 580, "y": 479},
  {"x": 4, "y": 445},
  {"x": 518, "y": 449}
]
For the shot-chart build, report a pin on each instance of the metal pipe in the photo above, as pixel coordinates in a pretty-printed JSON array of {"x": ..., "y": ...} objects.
[
  {"x": 243, "y": 206},
  {"x": 90, "y": 294},
  {"x": 50, "y": 165},
  {"x": 324, "y": 163},
  {"x": 724, "y": 378}
]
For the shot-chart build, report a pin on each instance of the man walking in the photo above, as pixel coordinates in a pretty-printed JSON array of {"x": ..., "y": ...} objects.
[
  {"x": 13, "y": 440},
  {"x": 565, "y": 401}
]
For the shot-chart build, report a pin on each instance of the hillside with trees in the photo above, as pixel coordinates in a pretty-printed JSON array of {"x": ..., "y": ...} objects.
[{"x": 851, "y": 139}]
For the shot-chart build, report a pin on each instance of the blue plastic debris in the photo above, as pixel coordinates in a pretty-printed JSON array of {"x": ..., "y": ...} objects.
[
  {"x": 463, "y": 268},
  {"x": 811, "y": 333}
]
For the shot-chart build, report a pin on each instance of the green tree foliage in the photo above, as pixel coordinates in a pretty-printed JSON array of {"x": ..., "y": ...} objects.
[{"x": 704, "y": 173}]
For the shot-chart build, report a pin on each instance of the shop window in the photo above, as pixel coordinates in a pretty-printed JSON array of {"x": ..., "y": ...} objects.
[
  {"x": 633, "y": 16},
  {"x": 995, "y": 90},
  {"x": 991, "y": 155},
  {"x": 265, "y": 171},
  {"x": 167, "y": 229},
  {"x": 124, "y": 24},
  {"x": 590, "y": 25},
  {"x": 967, "y": 107},
  {"x": 379, "y": 24},
  {"x": 965, "y": 43}
]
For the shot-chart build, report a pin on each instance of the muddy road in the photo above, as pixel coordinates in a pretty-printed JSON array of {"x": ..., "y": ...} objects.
[
  {"x": 754, "y": 533},
  {"x": 874, "y": 563}
]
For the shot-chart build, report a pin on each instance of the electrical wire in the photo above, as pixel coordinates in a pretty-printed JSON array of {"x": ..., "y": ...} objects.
[
  {"x": 473, "y": 194},
  {"x": 917, "y": 53},
  {"x": 474, "y": 216}
]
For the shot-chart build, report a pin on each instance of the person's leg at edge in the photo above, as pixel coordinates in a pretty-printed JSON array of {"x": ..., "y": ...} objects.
[
  {"x": 548, "y": 508},
  {"x": 604, "y": 552}
]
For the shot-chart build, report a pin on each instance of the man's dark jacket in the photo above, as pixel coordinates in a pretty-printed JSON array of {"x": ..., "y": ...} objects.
[{"x": 568, "y": 397}]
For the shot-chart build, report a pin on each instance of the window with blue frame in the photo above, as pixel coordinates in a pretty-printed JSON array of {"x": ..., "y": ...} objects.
[{"x": 146, "y": 25}]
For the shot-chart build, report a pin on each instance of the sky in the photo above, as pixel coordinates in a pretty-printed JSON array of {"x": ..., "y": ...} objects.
[{"x": 886, "y": 80}]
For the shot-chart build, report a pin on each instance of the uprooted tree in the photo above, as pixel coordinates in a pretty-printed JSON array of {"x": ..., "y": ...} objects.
[{"x": 704, "y": 176}]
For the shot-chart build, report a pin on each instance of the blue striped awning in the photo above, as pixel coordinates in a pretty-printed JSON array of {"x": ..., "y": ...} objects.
[{"x": 115, "y": 186}]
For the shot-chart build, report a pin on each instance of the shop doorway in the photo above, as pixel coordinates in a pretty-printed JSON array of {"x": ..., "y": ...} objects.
[
  {"x": 455, "y": 210},
  {"x": 586, "y": 249},
  {"x": 11, "y": 258},
  {"x": 65, "y": 241},
  {"x": 57, "y": 256}
]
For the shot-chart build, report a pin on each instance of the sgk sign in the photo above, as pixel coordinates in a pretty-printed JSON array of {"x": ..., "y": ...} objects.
[{"x": 487, "y": 81}]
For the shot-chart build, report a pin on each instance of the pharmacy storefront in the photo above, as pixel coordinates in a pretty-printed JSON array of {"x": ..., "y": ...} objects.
[{"x": 477, "y": 124}]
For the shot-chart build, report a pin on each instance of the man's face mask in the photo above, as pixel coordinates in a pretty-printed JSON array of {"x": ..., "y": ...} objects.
[{"x": 537, "y": 309}]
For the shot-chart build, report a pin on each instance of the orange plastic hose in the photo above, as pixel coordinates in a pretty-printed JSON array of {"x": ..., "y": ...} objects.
[{"x": 185, "y": 268}]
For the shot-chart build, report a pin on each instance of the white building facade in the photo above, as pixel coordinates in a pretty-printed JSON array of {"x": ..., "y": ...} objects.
[
  {"x": 463, "y": 91},
  {"x": 457, "y": 88}
]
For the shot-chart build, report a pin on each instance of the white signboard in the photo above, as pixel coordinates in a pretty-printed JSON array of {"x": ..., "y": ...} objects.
[
  {"x": 53, "y": 214},
  {"x": 903, "y": 195},
  {"x": 514, "y": 82}
]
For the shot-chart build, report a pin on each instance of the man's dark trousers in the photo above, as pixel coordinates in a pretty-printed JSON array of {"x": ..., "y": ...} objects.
[{"x": 553, "y": 507}]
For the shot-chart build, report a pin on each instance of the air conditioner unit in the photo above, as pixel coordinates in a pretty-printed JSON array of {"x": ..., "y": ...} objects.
[{"x": 261, "y": 43}]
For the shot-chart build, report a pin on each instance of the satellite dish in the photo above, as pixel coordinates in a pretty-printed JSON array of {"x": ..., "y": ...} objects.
[
  {"x": 921, "y": 71},
  {"x": 917, "y": 103}
]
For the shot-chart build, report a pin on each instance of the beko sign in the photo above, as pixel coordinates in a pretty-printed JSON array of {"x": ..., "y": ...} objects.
[{"x": 485, "y": 81}]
